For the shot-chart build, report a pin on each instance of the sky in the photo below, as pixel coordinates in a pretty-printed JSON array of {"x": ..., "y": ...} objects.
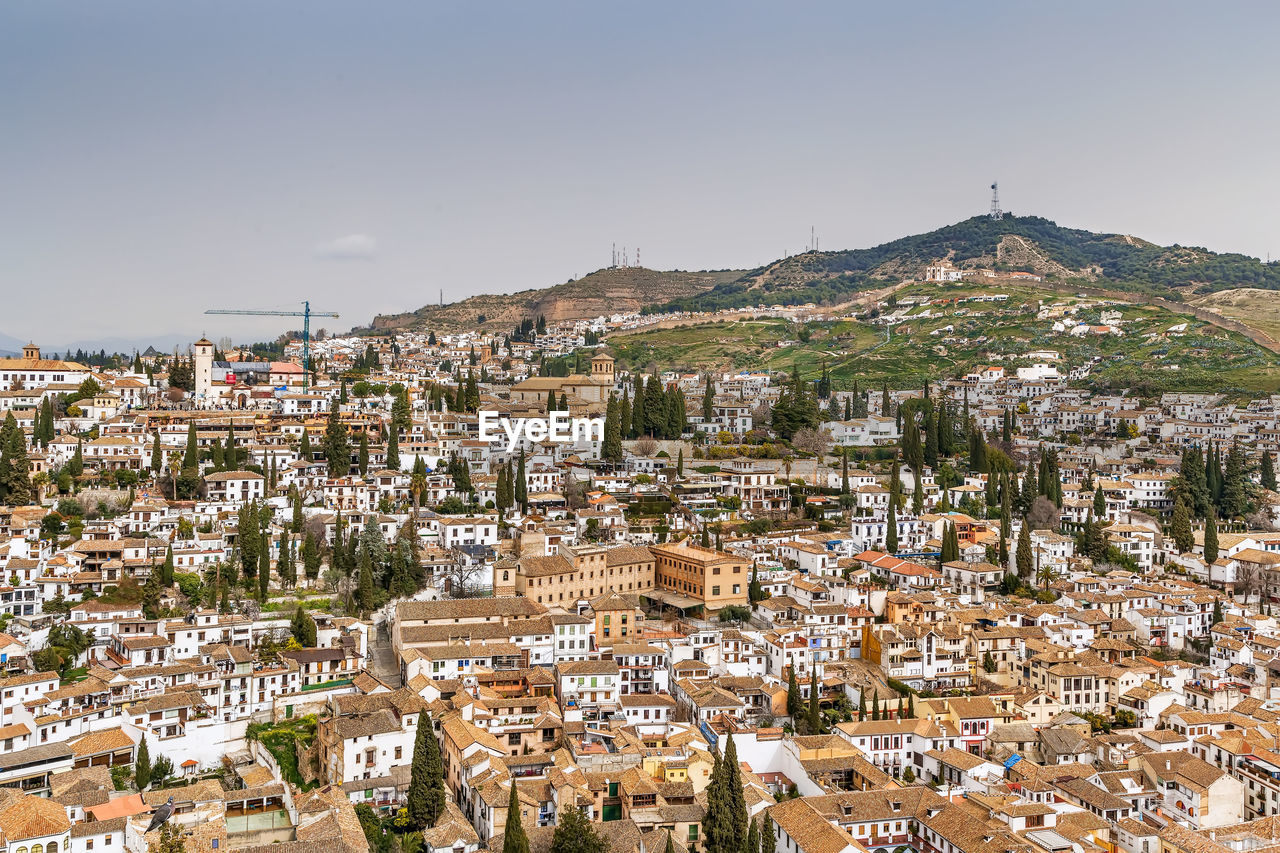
[{"x": 158, "y": 158}]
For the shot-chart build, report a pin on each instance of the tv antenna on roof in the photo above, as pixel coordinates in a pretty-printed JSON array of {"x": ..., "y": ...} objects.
[{"x": 996, "y": 213}]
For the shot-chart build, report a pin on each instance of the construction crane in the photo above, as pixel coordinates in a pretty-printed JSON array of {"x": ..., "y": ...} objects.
[{"x": 306, "y": 314}]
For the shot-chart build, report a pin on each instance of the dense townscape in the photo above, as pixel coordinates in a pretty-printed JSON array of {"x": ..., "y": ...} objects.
[{"x": 293, "y": 594}]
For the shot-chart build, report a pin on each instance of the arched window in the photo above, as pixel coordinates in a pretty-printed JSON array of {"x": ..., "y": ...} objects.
[
  {"x": 21, "y": 850},
  {"x": 37, "y": 848},
  {"x": 51, "y": 847}
]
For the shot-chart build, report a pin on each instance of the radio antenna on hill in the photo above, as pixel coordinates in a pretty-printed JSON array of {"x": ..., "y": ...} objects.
[{"x": 996, "y": 213}]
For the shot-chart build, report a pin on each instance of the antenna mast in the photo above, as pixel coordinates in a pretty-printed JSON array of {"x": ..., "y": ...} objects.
[{"x": 996, "y": 213}]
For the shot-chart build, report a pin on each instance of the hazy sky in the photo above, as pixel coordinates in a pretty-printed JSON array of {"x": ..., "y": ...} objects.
[{"x": 160, "y": 158}]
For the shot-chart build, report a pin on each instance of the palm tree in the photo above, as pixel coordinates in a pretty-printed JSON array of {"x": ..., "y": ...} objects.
[
  {"x": 417, "y": 485},
  {"x": 175, "y": 468},
  {"x": 1046, "y": 574}
]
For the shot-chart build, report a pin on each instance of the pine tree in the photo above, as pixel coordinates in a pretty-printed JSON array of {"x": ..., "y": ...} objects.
[
  {"x": 514, "y": 839},
  {"x": 575, "y": 834},
  {"x": 1023, "y": 556},
  {"x": 1211, "y": 538},
  {"x": 142, "y": 766}
]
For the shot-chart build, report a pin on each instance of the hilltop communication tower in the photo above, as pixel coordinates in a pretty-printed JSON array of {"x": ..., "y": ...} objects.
[{"x": 996, "y": 213}]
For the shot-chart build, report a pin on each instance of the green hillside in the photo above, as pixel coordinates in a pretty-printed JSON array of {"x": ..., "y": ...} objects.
[
  {"x": 1027, "y": 243},
  {"x": 947, "y": 338}
]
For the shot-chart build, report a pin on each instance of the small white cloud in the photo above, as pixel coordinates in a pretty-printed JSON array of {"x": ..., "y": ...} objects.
[{"x": 353, "y": 247}]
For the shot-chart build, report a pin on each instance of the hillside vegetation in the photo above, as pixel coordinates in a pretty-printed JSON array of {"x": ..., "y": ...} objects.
[
  {"x": 1027, "y": 243},
  {"x": 604, "y": 292},
  {"x": 947, "y": 340}
]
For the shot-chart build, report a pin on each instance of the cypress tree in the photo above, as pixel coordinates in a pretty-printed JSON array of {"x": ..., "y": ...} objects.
[
  {"x": 393, "y": 449},
  {"x": 1268, "y": 471},
  {"x": 708, "y": 401},
  {"x": 734, "y": 798},
  {"x": 522, "y": 486},
  {"x": 815, "y": 710},
  {"x": 1099, "y": 503},
  {"x": 891, "y": 526},
  {"x": 304, "y": 446},
  {"x": 191, "y": 457},
  {"x": 1211, "y": 538},
  {"x": 1023, "y": 556},
  {"x": 167, "y": 568},
  {"x": 611, "y": 448},
  {"x": 264, "y": 566},
  {"x": 363, "y": 456},
  {"x": 142, "y": 766},
  {"x": 514, "y": 839},
  {"x": 425, "y": 800},
  {"x": 337, "y": 445},
  {"x": 862, "y": 705},
  {"x": 875, "y": 705},
  {"x": 1180, "y": 527},
  {"x": 156, "y": 456},
  {"x": 364, "y": 592},
  {"x": 793, "y": 694}
]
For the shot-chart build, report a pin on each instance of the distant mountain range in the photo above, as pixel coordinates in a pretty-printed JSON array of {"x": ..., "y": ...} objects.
[
  {"x": 1014, "y": 243},
  {"x": 9, "y": 345}
]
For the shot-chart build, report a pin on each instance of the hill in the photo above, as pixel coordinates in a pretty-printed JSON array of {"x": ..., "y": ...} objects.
[
  {"x": 1015, "y": 243},
  {"x": 946, "y": 334},
  {"x": 1258, "y": 309},
  {"x": 606, "y": 291}
]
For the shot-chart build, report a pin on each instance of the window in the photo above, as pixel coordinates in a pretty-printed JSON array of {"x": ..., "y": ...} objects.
[{"x": 715, "y": 590}]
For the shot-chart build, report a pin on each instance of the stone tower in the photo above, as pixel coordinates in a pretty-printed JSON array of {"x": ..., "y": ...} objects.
[{"x": 204, "y": 368}]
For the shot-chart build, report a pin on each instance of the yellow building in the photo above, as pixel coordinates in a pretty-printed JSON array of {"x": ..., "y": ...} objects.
[
  {"x": 690, "y": 576},
  {"x": 581, "y": 573}
]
